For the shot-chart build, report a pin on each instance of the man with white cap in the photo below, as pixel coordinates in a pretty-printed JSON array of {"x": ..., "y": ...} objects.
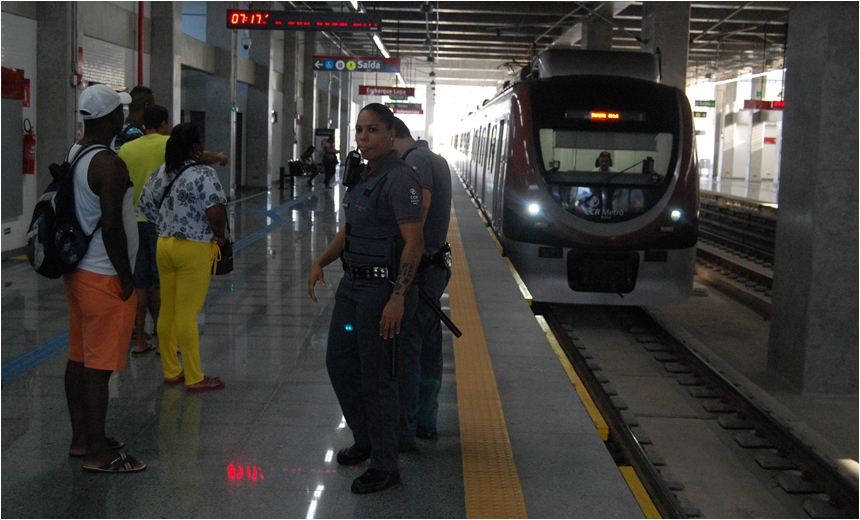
[{"x": 100, "y": 291}]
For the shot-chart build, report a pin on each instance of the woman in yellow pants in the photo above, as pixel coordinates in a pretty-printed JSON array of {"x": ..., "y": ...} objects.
[{"x": 186, "y": 200}]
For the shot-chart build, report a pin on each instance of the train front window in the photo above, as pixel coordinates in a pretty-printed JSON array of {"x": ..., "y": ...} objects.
[
  {"x": 605, "y": 175},
  {"x": 571, "y": 156}
]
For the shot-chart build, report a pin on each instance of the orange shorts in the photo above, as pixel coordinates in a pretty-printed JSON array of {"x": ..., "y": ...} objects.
[{"x": 100, "y": 322}]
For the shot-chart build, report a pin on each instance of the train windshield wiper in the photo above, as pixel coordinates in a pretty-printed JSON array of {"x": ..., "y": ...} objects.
[{"x": 647, "y": 169}]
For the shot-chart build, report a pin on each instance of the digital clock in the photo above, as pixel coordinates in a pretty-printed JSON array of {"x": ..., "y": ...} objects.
[
  {"x": 246, "y": 18},
  {"x": 303, "y": 20}
]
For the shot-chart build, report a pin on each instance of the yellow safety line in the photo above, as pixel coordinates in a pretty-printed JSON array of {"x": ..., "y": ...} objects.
[
  {"x": 490, "y": 476},
  {"x": 584, "y": 396},
  {"x": 639, "y": 492}
]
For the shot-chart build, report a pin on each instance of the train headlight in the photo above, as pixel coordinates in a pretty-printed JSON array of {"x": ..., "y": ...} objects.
[
  {"x": 675, "y": 215},
  {"x": 534, "y": 209}
]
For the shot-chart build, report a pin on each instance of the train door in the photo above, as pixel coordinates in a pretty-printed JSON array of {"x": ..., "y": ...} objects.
[
  {"x": 499, "y": 176},
  {"x": 491, "y": 161},
  {"x": 481, "y": 161},
  {"x": 473, "y": 152}
]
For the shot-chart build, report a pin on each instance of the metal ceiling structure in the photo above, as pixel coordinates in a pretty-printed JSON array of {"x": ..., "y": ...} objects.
[{"x": 486, "y": 43}]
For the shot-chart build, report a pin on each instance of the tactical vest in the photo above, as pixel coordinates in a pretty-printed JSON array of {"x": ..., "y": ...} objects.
[{"x": 370, "y": 241}]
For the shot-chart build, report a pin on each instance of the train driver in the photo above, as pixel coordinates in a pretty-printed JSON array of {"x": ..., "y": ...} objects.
[{"x": 604, "y": 163}]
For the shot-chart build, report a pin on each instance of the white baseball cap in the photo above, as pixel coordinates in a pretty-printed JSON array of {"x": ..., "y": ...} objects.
[{"x": 100, "y": 100}]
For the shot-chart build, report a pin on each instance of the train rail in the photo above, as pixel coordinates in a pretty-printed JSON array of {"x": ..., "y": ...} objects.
[
  {"x": 736, "y": 247},
  {"x": 591, "y": 338}
]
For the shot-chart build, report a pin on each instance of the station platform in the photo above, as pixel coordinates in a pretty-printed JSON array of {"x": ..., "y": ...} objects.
[{"x": 515, "y": 439}]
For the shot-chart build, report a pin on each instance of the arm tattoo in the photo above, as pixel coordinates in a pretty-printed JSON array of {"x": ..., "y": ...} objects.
[{"x": 407, "y": 273}]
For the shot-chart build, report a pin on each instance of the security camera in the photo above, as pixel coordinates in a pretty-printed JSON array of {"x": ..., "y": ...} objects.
[{"x": 246, "y": 40}]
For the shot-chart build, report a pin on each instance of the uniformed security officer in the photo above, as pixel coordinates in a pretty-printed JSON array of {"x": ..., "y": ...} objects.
[
  {"x": 422, "y": 337},
  {"x": 380, "y": 247}
]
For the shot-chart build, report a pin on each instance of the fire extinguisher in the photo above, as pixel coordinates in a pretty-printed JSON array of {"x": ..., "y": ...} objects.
[{"x": 29, "y": 148}]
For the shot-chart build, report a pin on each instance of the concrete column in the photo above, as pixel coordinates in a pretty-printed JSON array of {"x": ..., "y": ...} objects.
[
  {"x": 666, "y": 26},
  {"x": 735, "y": 161},
  {"x": 597, "y": 32},
  {"x": 813, "y": 336},
  {"x": 166, "y": 62},
  {"x": 55, "y": 55},
  {"x": 257, "y": 113},
  {"x": 217, "y": 89},
  {"x": 276, "y": 105},
  {"x": 344, "y": 122},
  {"x": 308, "y": 108},
  {"x": 289, "y": 87},
  {"x": 430, "y": 119},
  {"x": 719, "y": 128}
]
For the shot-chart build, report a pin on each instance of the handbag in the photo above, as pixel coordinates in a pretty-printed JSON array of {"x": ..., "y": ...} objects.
[{"x": 223, "y": 263}]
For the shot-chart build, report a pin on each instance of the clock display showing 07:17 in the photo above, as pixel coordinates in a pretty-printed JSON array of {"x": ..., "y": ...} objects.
[
  {"x": 303, "y": 20},
  {"x": 243, "y": 18}
]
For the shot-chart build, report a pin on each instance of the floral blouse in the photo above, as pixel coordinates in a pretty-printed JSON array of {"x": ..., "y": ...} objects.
[{"x": 183, "y": 213}]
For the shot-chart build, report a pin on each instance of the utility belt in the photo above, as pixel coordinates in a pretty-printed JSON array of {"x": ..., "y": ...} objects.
[
  {"x": 367, "y": 272},
  {"x": 440, "y": 259}
]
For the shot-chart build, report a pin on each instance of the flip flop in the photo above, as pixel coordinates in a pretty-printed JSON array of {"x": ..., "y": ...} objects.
[
  {"x": 208, "y": 383},
  {"x": 123, "y": 463},
  {"x": 112, "y": 444},
  {"x": 175, "y": 380},
  {"x": 149, "y": 347}
]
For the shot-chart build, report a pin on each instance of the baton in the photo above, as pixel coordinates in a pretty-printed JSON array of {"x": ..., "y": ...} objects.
[
  {"x": 394, "y": 356},
  {"x": 439, "y": 312}
]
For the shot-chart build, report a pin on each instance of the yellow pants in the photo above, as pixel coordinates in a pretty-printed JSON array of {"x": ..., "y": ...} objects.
[{"x": 185, "y": 271}]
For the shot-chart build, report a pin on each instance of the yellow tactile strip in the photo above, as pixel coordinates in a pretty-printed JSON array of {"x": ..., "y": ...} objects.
[{"x": 490, "y": 475}]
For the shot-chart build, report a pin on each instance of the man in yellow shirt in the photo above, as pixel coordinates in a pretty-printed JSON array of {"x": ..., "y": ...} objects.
[{"x": 143, "y": 156}]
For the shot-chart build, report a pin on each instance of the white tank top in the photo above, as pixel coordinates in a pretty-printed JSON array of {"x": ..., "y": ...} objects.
[{"x": 88, "y": 210}]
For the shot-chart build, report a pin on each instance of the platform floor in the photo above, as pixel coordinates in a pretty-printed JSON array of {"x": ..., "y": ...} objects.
[{"x": 264, "y": 446}]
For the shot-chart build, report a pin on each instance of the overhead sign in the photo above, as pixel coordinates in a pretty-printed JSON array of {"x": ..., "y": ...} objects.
[
  {"x": 355, "y": 64},
  {"x": 373, "y": 90},
  {"x": 700, "y": 114},
  {"x": 303, "y": 20},
  {"x": 712, "y": 103},
  {"x": 758, "y": 104},
  {"x": 405, "y": 108}
]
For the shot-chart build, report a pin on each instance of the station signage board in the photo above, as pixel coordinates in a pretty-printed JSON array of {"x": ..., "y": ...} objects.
[
  {"x": 710, "y": 103},
  {"x": 700, "y": 114},
  {"x": 355, "y": 64},
  {"x": 303, "y": 20},
  {"x": 405, "y": 108},
  {"x": 373, "y": 90}
]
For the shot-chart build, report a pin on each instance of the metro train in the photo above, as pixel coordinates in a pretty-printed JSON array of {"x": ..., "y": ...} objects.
[{"x": 586, "y": 170}]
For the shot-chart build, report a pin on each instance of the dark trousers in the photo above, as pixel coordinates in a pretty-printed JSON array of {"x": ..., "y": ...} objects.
[
  {"x": 330, "y": 167},
  {"x": 421, "y": 376},
  {"x": 359, "y": 366}
]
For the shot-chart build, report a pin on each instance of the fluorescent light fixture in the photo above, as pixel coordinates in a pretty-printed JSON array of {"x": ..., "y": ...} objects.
[
  {"x": 354, "y": 4},
  {"x": 399, "y": 77},
  {"x": 534, "y": 209},
  {"x": 381, "y": 46}
]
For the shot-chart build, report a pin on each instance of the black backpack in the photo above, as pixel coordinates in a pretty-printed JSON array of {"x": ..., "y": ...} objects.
[{"x": 55, "y": 241}]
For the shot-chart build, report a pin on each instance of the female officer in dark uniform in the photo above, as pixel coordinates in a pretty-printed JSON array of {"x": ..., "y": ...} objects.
[{"x": 380, "y": 247}]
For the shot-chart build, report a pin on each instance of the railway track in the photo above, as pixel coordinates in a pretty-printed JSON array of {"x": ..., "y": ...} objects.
[
  {"x": 736, "y": 249},
  {"x": 701, "y": 444}
]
